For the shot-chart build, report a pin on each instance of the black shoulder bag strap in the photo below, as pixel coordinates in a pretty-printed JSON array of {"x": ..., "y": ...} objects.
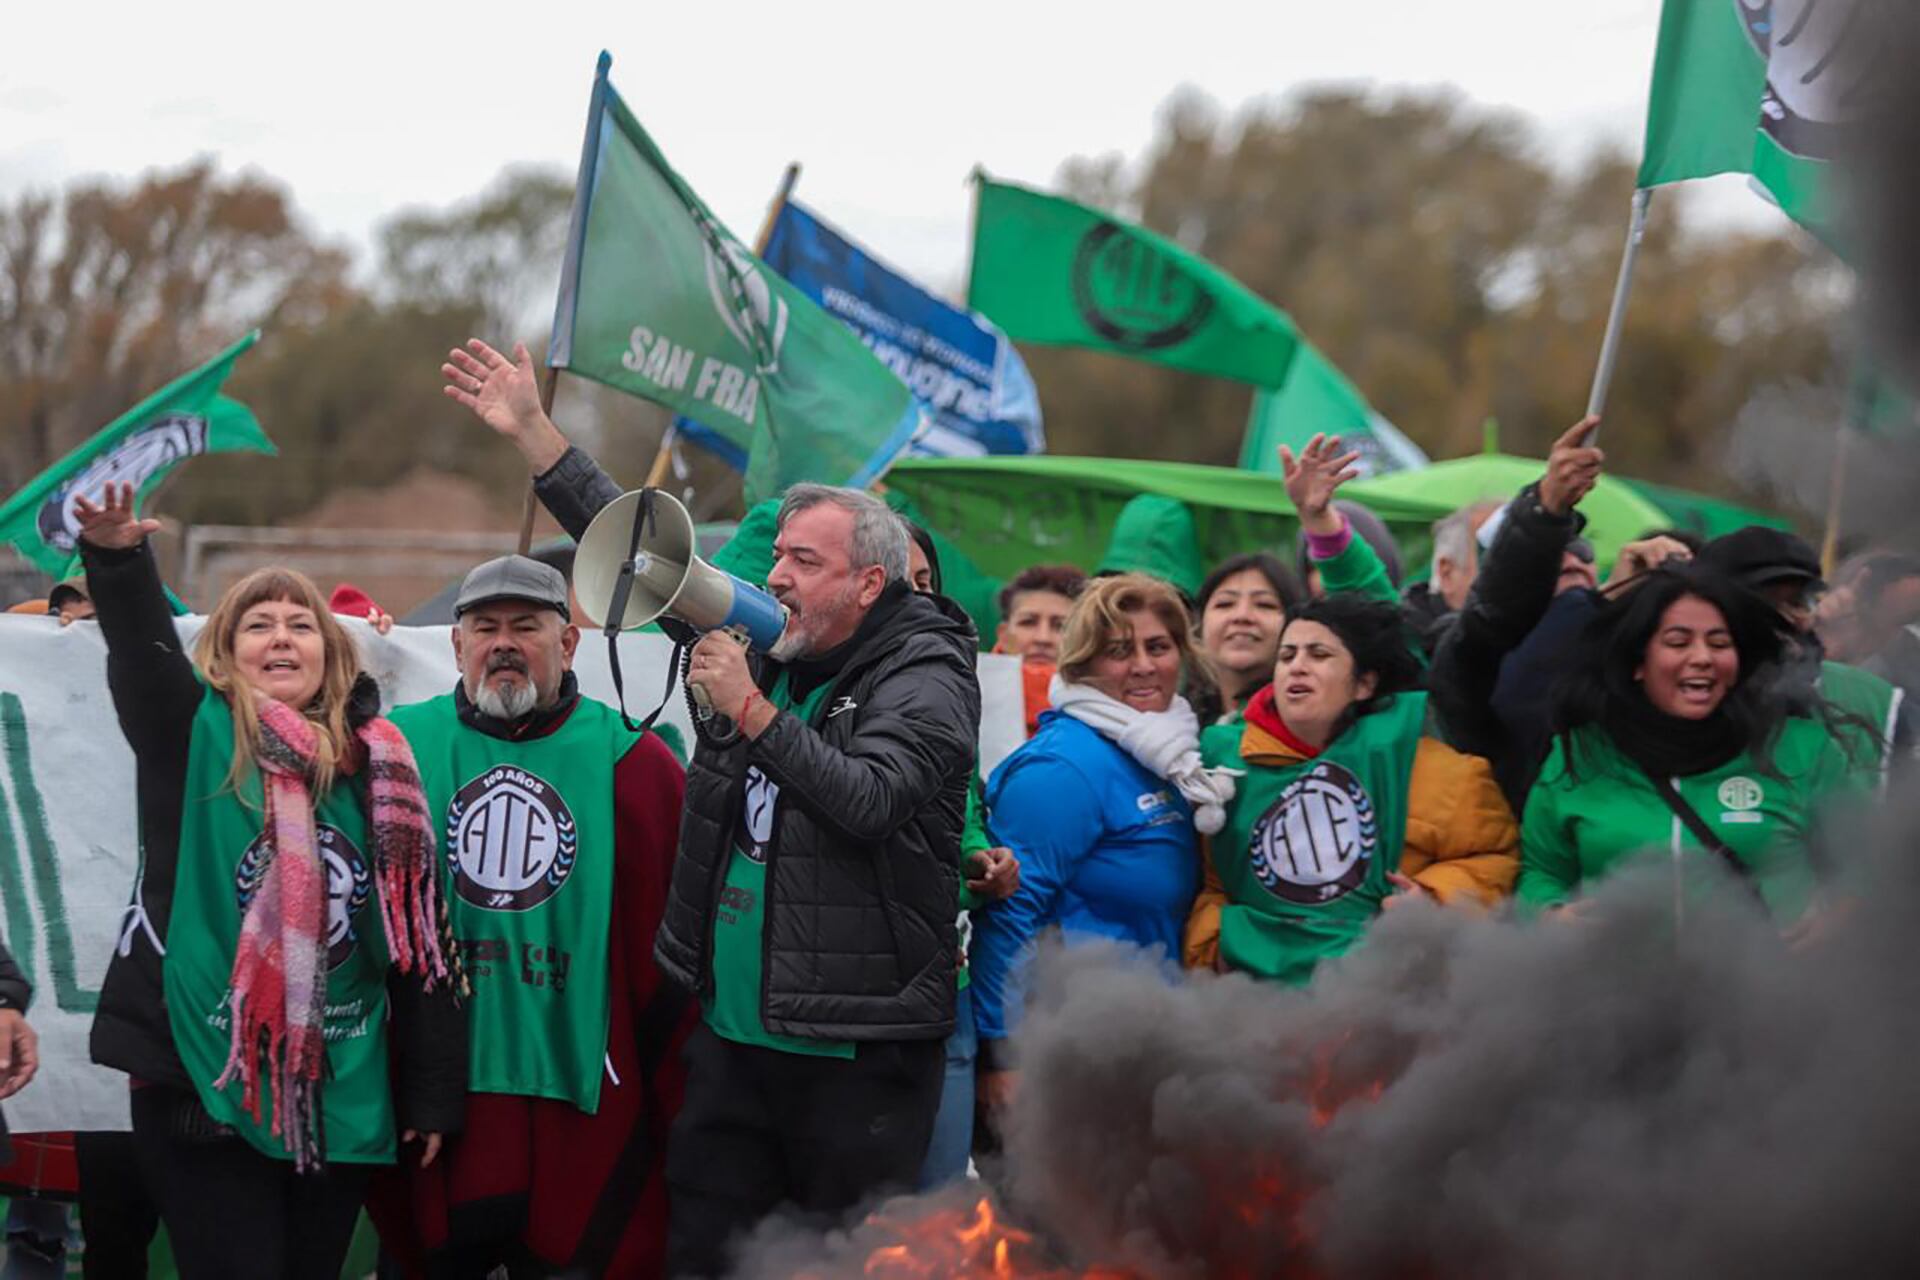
[
  {"x": 617, "y": 612},
  {"x": 1669, "y": 790}
]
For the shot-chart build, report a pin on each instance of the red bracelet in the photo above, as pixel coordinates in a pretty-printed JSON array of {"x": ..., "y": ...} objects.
[{"x": 746, "y": 705}]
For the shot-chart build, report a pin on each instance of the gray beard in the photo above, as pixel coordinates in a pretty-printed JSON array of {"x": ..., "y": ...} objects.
[
  {"x": 515, "y": 701},
  {"x": 798, "y": 640}
]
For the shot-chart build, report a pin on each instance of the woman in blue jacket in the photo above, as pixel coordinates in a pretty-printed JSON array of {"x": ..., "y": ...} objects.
[{"x": 1100, "y": 806}]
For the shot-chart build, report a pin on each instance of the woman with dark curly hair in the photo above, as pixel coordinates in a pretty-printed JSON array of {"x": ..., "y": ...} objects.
[
  {"x": 1674, "y": 734},
  {"x": 1346, "y": 806}
]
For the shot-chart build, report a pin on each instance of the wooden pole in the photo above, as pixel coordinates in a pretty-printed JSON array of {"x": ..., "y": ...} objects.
[
  {"x": 1836, "y": 493},
  {"x": 663, "y": 456},
  {"x": 548, "y": 381}
]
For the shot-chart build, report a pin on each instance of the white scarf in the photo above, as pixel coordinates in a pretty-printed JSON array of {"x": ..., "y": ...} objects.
[{"x": 1166, "y": 743}]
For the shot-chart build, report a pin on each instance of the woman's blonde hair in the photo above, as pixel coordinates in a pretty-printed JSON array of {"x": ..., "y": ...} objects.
[
  {"x": 1099, "y": 621},
  {"x": 213, "y": 655}
]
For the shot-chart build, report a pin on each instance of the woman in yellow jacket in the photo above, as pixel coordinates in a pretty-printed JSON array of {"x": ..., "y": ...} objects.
[{"x": 1346, "y": 807}]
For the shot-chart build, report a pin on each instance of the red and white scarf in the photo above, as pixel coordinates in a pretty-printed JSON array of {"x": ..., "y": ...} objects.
[{"x": 279, "y": 981}]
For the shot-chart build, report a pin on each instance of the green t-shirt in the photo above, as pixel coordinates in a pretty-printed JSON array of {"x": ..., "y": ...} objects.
[{"x": 740, "y": 922}]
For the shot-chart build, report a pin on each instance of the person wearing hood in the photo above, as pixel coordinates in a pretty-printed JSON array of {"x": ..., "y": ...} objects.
[
  {"x": 1784, "y": 571},
  {"x": 1100, "y": 806},
  {"x": 811, "y": 905},
  {"x": 1343, "y": 807},
  {"x": 1156, "y": 535},
  {"x": 1673, "y": 737}
]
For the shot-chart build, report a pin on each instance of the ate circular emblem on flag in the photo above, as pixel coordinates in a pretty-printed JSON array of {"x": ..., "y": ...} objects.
[
  {"x": 511, "y": 840},
  {"x": 1317, "y": 841},
  {"x": 1814, "y": 53},
  {"x": 1132, "y": 294},
  {"x": 349, "y": 881}
]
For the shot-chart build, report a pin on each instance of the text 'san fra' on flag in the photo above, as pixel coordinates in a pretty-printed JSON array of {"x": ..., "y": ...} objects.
[
  {"x": 184, "y": 419},
  {"x": 1048, "y": 270},
  {"x": 659, "y": 300}
]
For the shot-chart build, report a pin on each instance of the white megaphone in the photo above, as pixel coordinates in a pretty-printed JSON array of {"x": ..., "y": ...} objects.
[{"x": 654, "y": 552}]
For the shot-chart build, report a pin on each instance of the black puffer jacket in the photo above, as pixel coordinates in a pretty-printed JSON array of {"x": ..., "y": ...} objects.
[
  {"x": 863, "y": 866},
  {"x": 1510, "y": 596}
]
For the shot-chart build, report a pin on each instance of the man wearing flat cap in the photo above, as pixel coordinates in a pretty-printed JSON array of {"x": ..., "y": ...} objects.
[
  {"x": 1785, "y": 571},
  {"x": 557, "y": 826}
]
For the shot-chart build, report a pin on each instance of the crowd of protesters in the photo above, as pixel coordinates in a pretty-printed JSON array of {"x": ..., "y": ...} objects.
[{"x": 545, "y": 993}]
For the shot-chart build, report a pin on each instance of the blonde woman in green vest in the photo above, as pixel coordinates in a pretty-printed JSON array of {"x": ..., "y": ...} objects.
[
  {"x": 284, "y": 946},
  {"x": 1676, "y": 738}
]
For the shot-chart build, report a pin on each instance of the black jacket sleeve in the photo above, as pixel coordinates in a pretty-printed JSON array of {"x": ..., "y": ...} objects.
[
  {"x": 1510, "y": 595},
  {"x": 920, "y": 726},
  {"x": 429, "y": 1055},
  {"x": 574, "y": 490},
  {"x": 15, "y": 991},
  {"x": 155, "y": 693}
]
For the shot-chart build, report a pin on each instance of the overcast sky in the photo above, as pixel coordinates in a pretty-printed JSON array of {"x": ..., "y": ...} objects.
[{"x": 364, "y": 108}]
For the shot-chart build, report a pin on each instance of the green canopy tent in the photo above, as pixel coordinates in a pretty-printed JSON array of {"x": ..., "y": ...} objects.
[
  {"x": 1706, "y": 516},
  {"x": 1616, "y": 512},
  {"x": 1006, "y": 513}
]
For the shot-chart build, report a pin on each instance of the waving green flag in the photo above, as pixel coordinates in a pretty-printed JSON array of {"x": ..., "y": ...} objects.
[
  {"x": 184, "y": 419},
  {"x": 659, "y": 300},
  {"x": 1048, "y": 270},
  {"x": 1318, "y": 398},
  {"x": 1746, "y": 86}
]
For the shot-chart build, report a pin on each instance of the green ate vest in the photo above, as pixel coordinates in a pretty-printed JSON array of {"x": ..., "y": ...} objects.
[
  {"x": 219, "y": 870},
  {"x": 1306, "y": 850},
  {"x": 740, "y": 920},
  {"x": 527, "y": 833}
]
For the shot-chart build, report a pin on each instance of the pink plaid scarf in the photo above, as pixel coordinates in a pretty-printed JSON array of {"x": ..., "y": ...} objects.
[{"x": 279, "y": 981}]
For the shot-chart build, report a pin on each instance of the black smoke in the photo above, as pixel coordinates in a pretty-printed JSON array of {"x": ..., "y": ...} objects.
[{"x": 1667, "y": 1087}]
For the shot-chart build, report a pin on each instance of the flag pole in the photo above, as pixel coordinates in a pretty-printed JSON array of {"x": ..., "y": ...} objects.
[
  {"x": 663, "y": 457},
  {"x": 1836, "y": 493},
  {"x": 547, "y": 384},
  {"x": 1617, "y": 316}
]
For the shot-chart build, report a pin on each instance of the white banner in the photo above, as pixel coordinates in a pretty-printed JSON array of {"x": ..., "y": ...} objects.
[{"x": 68, "y": 833}]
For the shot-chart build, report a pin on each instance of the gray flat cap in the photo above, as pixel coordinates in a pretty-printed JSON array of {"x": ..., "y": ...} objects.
[{"x": 514, "y": 578}]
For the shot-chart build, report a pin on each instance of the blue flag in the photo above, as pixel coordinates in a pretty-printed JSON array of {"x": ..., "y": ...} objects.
[{"x": 959, "y": 365}]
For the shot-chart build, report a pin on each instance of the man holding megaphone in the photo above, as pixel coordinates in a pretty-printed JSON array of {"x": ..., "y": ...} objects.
[{"x": 812, "y": 902}]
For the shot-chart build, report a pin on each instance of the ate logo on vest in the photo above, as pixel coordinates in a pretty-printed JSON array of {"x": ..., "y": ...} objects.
[
  {"x": 349, "y": 881},
  {"x": 1316, "y": 843},
  {"x": 511, "y": 840}
]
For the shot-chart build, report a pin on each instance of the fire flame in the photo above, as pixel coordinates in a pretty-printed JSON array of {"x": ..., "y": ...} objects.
[
  {"x": 977, "y": 1243},
  {"x": 956, "y": 1244}
]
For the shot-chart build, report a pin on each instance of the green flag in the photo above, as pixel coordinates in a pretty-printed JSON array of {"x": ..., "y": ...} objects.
[
  {"x": 1741, "y": 86},
  {"x": 181, "y": 420},
  {"x": 1048, "y": 270},
  {"x": 1315, "y": 398},
  {"x": 659, "y": 300}
]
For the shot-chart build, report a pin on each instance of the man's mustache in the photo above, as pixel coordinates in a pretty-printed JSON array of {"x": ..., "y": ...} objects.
[{"x": 506, "y": 660}]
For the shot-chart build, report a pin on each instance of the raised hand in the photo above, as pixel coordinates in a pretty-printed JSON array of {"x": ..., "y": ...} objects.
[
  {"x": 1573, "y": 468},
  {"x": 1314, "y": 477},
  {"x": 112, "y": 526},
  {"x": 504, "y": 394},
  {"x": 1645, "y": 556}
]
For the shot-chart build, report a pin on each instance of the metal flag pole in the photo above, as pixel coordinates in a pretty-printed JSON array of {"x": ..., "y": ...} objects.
[
  {"x": 548, "y": 381},
  {"x": 1836, "y": 494},
  {"x": 1617, "y": 317},
  {"x": 663, "y": 457}
]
